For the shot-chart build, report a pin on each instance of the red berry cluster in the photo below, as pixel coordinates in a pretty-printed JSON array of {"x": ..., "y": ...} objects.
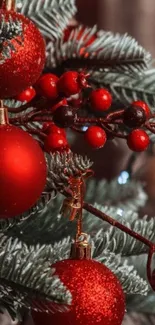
[{"x": 59, "y": 94}]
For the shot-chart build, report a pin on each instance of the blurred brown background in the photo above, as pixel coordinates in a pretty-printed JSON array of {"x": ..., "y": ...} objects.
[{"x": 136, "y": 17}]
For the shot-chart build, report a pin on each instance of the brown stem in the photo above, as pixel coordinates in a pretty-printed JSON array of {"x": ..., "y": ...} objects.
[
  {"x": 34, "y": 131},
  {"x": 36, "y": 103},
  {"x": 150, "y": 127},
  {"x": 115, "y": 223}
]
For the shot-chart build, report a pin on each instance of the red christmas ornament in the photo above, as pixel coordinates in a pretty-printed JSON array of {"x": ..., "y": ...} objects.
[
  {"x": 144, "y": 106},
  {"x": 24, "y": 66},
  {"x": 96, "y": 137},
  {"x": 22, "y": 171},
  {"x": 72, "y": 82},
  {"x": 50, "y": 127},
  {"x": 100, "y": 99},
  {"x": 46, "y": 86},
  {"x": 26, "y": 95},
  {"x": 97, "y": 295},
  {"x": 138, "y": 140},
  {"x": 54, "y": 142}
]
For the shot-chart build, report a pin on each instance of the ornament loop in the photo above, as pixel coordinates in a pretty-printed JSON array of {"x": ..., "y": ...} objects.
[
  {"x": 81, "y": 248},
  {"x": 4, "y": 118},
  {"x": 7, "y": 4}
]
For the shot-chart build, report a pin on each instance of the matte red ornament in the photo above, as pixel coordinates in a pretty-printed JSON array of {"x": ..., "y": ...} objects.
[
  {"x": 26, "y": 95},
  {"x": 138, "y": 140},
  {"x": 144, "y": 106},
  {"x": 100, "y": 99},
  {"x": 25, "y": 65},
  {"x": 54, "y": 142},
  {"x": 46, "y": 86},
  {"x": 72, "y": 82},
  {"x": 22, "y": 171},
  {"x": 97, "y": 295},
  {"x": 95, "y": 137}
]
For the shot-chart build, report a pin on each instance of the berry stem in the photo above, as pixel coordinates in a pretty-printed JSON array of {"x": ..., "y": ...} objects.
[
  {"x": 36, "y": 103},
  {"x": 150, "y": 127},
  {"x": 145, "y": 241},
  {"x": 35, "y": 131}
]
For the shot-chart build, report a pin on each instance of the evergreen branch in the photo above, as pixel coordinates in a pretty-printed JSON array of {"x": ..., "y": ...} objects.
[
  {"x": 119, "y": 242},
  {"x": 9, "y": 30},
  {"x": 26, "y": 276},
  {"x": 7, "y": 224},
  {"x": 126, "y": 89},
  {"x": 63, "y": 166},
  {"x": 139, "y": 318},
  {"x": 24, "y": 269},
  {"x": 131, "y": 282},
  {"x": 96, "y": 50},
  {"x": 111, "y": 194},
  {"x": 51, "y": 16}
]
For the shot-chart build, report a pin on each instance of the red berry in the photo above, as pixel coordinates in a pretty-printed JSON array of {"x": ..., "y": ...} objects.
[
  {"x": 54, "y": 142},
  {"x": 50, "y": 127},
  {"x": 138, "y": 140},
  {"x": 100, "y": 99},
  {"x": 46, "y": 86},
  {"x": 62, "y": 102},
  {"x": 144, "y": 106},
  {"x": 71, "y": 83},
  {"x": 26, "y": 95},
  {"x": 96, "y": 137}
]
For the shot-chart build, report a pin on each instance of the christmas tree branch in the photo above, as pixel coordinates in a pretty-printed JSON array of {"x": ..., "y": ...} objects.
[
  {"x": 128, "y": 196},
  {"x": 27, "y": 274},
  {"x": 51, "y": 17},
  {"x": 127, "y": 88},
  {"x": 9, "y": 30},
  {"x": 96, "y": 50}
]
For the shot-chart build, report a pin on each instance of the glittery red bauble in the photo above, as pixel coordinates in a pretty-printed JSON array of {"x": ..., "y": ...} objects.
[
  {"x": 25, "y": 65},
  {"x": 97, "y": 296},
  {"x": 22, "y": 171}
]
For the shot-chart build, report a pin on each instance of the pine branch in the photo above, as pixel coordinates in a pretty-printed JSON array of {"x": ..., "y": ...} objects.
[
  {"x": 96, "y": 50},
  {"x": 51, "y": 16},
  {"x": 63, "y": 166},
  {"x": 9, "y": 30},
  {"x": 131, "y": 282},
  {"x": 119, "y": 242},
  {"x": 7, "y": 224},
  {"x": 25, "y": 270},
  {"x": 139, "y": 318},
  {"x": 26, "y": 277},
  {"x": 127, "y": 88},
  {"x": 125, "y": 196}
]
